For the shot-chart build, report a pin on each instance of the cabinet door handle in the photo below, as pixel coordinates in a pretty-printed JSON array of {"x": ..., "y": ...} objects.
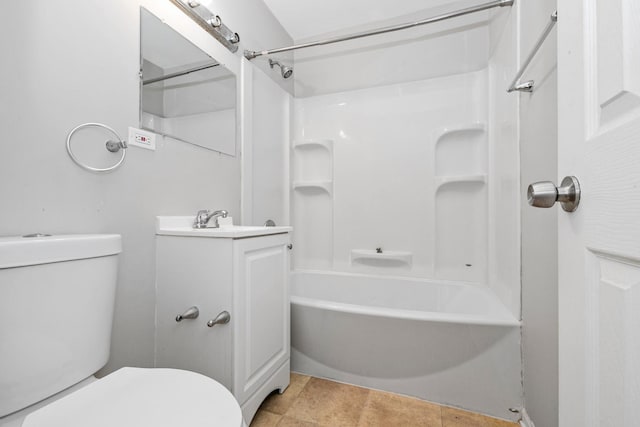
[
  {"x": 191, "y": 313},
  {"x": 221, "y": 319}
]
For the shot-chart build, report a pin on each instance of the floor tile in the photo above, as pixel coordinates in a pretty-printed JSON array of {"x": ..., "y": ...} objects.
[
  {"x": 315, "y": 402},
  {"x": 265, "y": 419},
  {"x": 280, "y": 403},
  {"x": 329, "y": 403},
  {"x": 452, "y": 417},
  {"x": 387, "y": 409},
  {"x": 495, "y": 422},
  {"x": 293, "y": 422}
]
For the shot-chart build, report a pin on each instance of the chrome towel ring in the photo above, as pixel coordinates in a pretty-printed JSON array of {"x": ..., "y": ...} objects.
[{"x": 111, "y": 145}]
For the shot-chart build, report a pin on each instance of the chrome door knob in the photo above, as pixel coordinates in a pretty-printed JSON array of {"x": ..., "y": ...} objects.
[
  {"x": 542, "y": 194},
  {"x": 545, "y": 194}
]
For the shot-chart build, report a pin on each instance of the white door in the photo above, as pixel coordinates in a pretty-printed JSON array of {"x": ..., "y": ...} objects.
[{"x": 599, "y": 244}]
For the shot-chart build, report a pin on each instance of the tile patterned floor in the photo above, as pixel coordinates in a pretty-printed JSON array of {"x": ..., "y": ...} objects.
[{"x": 314, "y": 402}]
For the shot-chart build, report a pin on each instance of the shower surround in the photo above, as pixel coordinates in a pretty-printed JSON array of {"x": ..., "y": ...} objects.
[{"x": 405, "y": 168}]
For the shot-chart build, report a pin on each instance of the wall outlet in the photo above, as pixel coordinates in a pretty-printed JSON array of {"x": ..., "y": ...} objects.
[{"x": 142, "y": 138}]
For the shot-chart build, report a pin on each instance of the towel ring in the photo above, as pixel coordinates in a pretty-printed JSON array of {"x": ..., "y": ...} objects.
[{"x": 112, "y": 146}]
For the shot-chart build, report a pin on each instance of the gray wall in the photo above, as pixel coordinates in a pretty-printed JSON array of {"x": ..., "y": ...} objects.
[
  {"x": 70, "y": 62},
  {"x": 538, "y": 148}
]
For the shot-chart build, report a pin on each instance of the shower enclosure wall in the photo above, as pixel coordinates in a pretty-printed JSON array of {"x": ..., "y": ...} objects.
[{"x": 404, "y": 167}]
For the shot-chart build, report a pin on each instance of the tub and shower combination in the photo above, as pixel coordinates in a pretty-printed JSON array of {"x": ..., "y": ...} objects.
[
  {"x": 448, "y": 342},
  {"x": 396, "y": 185}
]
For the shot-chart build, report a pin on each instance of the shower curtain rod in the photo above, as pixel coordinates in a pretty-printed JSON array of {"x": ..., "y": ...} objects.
[
  {"x": 178, "y": 74},
  {"x": 250, "y": 54}
]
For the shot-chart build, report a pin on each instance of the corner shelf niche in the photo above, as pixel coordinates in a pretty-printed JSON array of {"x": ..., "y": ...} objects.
[
  {"x": 313, "y": 165},
  {"x": 327, "y": 144},
  {"x": 460, "y": 202},
  {"x": 461, "y": 231},
  {"x": 326, "y": 186},
  {"x": 470, "y": 127},
  {"x": 461, "y": 150},
  {"x": 312, "y": 202},
  {"x": 442, "y": 180}
]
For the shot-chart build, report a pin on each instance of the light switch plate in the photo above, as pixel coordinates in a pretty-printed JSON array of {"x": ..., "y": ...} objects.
[{"x": 142, "y": 138}]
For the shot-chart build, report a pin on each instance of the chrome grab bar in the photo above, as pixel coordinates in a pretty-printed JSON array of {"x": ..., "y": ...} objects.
[{"x": 528, "y": 85}]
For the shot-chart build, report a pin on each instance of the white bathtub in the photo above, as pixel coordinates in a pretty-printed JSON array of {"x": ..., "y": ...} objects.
[{"x": 446, "y": 342}]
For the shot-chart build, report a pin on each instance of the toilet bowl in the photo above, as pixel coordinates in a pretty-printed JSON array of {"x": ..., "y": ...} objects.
[
  {"x": 138, "y": 397},
  {"x": 56, "y": 308},
  {"x": 143, "y": 397}
]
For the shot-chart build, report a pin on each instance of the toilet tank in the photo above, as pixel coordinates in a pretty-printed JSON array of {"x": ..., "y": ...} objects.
[{"x": 56, "y": 310}]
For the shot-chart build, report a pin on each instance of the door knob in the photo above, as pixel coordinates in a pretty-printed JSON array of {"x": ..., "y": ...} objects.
[
  {"x": 220, "y": 319},
  {"x": 545, "y": 194}
]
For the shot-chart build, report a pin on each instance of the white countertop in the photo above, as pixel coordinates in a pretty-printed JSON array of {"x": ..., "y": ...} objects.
[{"x": 183, "y": 226}]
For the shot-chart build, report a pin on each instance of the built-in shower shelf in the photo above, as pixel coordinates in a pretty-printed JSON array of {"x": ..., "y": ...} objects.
[
  {"x": 442, "y": 180},
  {"x": 470, "y": 128},
  {"x": 314, "y": 185},
  {"x": 461, "y": 150},
  {"x": 368, "y": 255},
  {"x": 327, "y": 144}
]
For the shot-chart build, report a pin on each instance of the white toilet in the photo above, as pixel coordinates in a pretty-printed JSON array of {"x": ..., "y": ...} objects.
[{"x": 56, "y": 308}]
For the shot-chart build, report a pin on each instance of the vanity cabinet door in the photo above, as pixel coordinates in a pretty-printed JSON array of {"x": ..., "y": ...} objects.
[
  {"x": 261, "y": 301},
  {"x": 193, "y": 271}
]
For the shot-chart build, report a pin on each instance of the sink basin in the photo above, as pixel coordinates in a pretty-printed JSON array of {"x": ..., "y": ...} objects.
[{"x": 183, "y": 226}]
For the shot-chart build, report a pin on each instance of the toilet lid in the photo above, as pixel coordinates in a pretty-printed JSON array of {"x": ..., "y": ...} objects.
[{"x": 143, "y": 397}]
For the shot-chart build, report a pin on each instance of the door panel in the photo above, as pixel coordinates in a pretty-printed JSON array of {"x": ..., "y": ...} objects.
[
  {"x": 617, "y": 52},
  {"x": 262, "y": 301},
  {"x": 618, "y": 347},
  {"x": 184, "y": 280},
  {"x": 599, "y": 244}
]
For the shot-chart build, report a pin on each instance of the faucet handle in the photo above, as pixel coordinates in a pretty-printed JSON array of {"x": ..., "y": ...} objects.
[
  {"x": 205, "y": 215},
  {"x": 201, "y": 218}
]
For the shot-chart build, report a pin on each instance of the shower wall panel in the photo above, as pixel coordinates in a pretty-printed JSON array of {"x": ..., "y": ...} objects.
[
  {"x": 266, "y": 114},
  {"x": 427, "y": 52},
  {"x": 383, "y": 197},
  {"x": 504, "y": 167}
]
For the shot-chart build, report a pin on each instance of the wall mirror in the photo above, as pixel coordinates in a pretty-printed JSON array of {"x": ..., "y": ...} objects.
[{"x": 185, "y": 94}]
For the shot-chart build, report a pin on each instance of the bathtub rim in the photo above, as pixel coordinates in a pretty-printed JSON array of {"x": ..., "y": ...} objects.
[{"x": 507, "y": 319}]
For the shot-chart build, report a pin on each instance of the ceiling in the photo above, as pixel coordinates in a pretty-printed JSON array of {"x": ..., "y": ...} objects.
[{"x": 303, "y": 19}]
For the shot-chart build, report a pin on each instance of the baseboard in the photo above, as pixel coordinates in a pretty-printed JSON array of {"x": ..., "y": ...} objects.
[{"x": 526, "y": 421}]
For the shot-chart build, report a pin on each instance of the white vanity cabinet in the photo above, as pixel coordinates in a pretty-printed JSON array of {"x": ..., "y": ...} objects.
[
  {"x": 194, "y": 272},
  {"x": 228, "y": 269}
]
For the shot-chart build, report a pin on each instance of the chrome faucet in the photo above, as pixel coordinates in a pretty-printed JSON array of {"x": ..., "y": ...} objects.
[{"x": 204, "y": 216}]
